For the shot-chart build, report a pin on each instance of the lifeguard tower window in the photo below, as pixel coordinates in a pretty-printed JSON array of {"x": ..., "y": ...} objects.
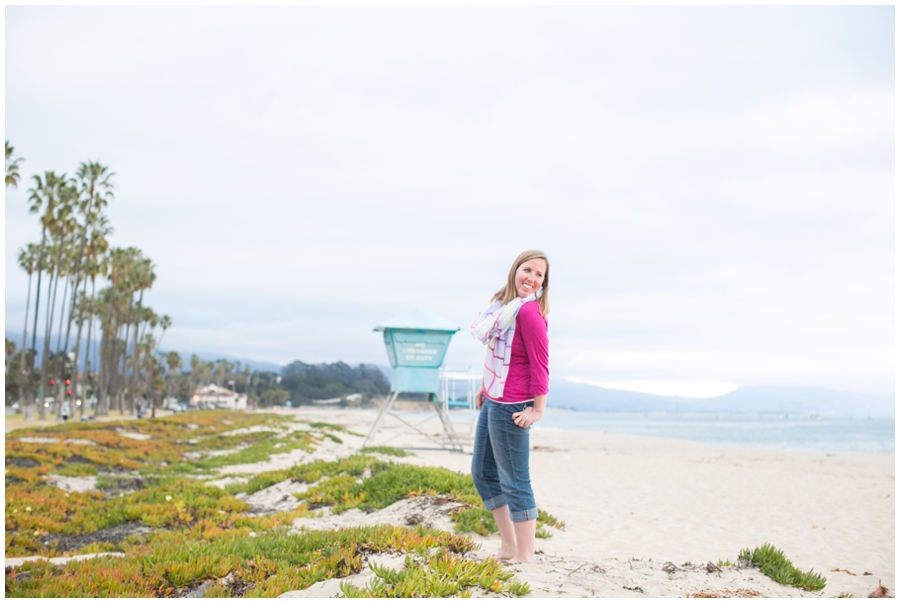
[{"x": 416, "y": 344}]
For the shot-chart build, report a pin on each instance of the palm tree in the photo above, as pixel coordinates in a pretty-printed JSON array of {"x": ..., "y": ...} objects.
[
  {"x": 200, "y": 372},
  {"x": 154, "y": 382},
  {"x": 173, "y": 360},
  {"x": 165, "y": 322},
  {"x": 61, "y": 229},
  {"x": 97, "y": 266},
  {"x": 45, "y": 194},
  {"x": 196, "y": 368},
  {"x": 116, "y": 269},
  {"x": 129, "y": 284},
  {"x": 247, "y": 375},
  {"x": 93, "y": 268},
  {"x": 92, "y": 178},
  {"x": 28, "y": 262},
  {"x": 144, "y": 278},
  {"x": 149, "y": 321},
  {"x": 65, "y": 272},
  {"x": 12, "y": 167},
  {"x": 125, "y": 278}
]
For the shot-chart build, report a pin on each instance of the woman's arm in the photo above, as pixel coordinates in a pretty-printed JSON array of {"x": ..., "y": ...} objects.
[
  {"x": 534, "y": 336},
  {"x": 532, "y": 328}
]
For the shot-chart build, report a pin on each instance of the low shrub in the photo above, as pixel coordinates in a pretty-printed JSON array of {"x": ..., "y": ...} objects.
[
  {"x": 171, "y": 563},
  {"x": 773, "y": 563},
  {"x": 438, "y": 574},
  {"x": 201, "y": 534},
  {"x": 390, "y": 482}
]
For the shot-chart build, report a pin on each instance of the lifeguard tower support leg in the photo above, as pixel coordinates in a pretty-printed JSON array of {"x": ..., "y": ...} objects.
[{"x": 386, "y": 409}]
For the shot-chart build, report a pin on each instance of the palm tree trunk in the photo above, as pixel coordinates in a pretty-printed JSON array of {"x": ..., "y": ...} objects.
[
  {"x": 29, "y": 409},
  {"x": 78, "y": 258},
  {"x": 106, "y": 357},
  {"x": 53, "y": 366},
  {"x": 59, "y": 397},
  {"x": 161, "y": 335},
  {"x": 62, "y": 313},
  {"x": 75, "y": 379},
  {"x": 25, "y": 331},
  {"x": 136, "y": 357},
  {"x": 46, "y": 368},
  {"x": 122, "y": 364},
  {"x": 87, "y": 353},
  {"x": 23, "y": 363},
  {"x": 114, "y": 363},
  {"x": 125, "y": 351}
]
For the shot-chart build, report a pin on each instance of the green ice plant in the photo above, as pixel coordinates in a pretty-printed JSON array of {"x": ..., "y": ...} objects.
[
  {"x": 773, "y": 563},
  {"x": 201, "y": 534},
  {"x": 390, "y": 482},
  {"x": 239, "y": 562},
  {"x": 386, "y": 450},
  {"x": 440, "y": 574}
]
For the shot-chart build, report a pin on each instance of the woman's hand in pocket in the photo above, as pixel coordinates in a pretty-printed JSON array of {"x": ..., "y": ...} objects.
[{"x": 527, "y": 417}]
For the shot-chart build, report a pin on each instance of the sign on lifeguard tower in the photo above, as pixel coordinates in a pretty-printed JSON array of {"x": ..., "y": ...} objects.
[{"x": 416, "y": 343}]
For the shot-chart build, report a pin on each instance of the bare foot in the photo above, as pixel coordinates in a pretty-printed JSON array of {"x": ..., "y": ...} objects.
[
  {"x": 504, "y": 554},
  {"x": 515, "y": 560}
]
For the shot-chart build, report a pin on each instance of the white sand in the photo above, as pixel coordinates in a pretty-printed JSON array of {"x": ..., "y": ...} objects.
[{"x": 634, "y": 504}]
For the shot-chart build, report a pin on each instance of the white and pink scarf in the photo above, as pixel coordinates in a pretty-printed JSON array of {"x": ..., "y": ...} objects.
[{"x": 495, "y": 327}]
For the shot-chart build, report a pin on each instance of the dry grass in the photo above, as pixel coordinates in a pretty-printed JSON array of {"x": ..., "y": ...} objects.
[
  {"x": 737, "y": 593},
  {"x": 880, "y": 593}
]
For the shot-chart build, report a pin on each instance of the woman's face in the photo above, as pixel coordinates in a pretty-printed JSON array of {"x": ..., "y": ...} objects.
[{"x": 530, "y": 276}]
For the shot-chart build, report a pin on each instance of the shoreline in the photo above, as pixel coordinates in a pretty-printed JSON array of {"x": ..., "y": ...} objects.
[{"x": 844, "y": 447}]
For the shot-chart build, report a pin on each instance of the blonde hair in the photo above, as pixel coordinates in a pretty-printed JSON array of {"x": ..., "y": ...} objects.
[{"x": 508, "y": 292}]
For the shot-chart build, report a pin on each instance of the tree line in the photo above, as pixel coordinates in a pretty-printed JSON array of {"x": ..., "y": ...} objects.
[
  {"x": 308, "y": 382},
  {"x": 125, "y": 365},
  {"x": 74, "y": 251},
  {"x": 298, "y": 382}
]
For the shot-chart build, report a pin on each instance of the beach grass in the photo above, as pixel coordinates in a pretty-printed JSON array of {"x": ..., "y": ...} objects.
[{"x": 773, "y": 563}]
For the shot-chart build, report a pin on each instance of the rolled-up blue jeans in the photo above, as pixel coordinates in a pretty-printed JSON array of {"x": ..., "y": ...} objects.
[{"x": 500, "y": 460}]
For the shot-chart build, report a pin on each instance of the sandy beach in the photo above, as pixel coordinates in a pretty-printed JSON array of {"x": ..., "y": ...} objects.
[
  {"x": 644, "y": 517},
  {"x": 653, "y": 516}
]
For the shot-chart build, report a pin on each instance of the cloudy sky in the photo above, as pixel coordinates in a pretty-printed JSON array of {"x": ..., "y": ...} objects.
[{"x": 714, "y": 186}]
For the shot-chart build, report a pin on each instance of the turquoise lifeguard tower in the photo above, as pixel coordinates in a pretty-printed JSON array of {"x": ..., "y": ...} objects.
[{"x": 416, "y": 343}]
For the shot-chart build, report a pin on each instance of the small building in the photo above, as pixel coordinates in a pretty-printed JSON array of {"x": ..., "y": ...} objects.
[{"x": 218, "y": 397}]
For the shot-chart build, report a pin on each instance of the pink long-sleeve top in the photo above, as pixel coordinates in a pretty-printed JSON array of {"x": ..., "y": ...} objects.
[{"x": 529, "y": 368}]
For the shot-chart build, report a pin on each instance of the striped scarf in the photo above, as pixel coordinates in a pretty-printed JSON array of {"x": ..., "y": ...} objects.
[{"x": 496, "y": 327}]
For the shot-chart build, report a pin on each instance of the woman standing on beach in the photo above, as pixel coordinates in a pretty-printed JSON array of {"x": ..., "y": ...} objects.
[{"x": 512, "y": 397}]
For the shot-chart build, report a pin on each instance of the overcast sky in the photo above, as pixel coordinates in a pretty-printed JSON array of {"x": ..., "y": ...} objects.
[{"x": 714, "y": 186}]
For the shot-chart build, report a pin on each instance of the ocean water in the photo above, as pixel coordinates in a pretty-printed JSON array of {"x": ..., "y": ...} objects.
[{"x": 827, "y": 434}]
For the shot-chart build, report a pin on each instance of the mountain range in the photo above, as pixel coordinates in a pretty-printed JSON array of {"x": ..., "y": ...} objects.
[{"x": 753, "y": 399}]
